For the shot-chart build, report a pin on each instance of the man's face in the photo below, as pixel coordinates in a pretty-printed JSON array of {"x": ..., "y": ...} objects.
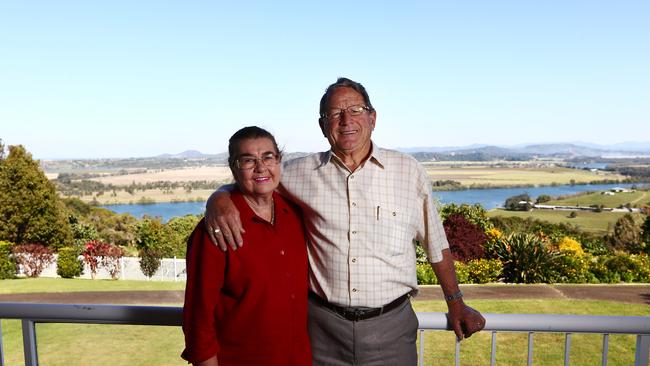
[{"x": 348, "y": 134}]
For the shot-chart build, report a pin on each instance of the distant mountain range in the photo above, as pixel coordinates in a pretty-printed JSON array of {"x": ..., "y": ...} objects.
[
  {"x": 576, "y": 149},
  {"x": 487, "y": 152}
]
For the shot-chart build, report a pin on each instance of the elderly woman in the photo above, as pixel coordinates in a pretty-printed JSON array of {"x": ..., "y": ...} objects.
[{"x": 249, "y": 307}]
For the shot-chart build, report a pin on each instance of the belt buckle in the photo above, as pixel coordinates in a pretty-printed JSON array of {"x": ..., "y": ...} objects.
[{"x": 356, "y": 314}]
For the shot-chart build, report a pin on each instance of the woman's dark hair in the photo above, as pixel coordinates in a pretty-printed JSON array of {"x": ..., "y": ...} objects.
[
  {"x": 343, "y": 83},
  {"x": 246, "y": 133}
]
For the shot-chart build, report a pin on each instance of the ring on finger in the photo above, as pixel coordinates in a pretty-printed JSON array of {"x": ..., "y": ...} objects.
[{"x": 217, "y": 231}]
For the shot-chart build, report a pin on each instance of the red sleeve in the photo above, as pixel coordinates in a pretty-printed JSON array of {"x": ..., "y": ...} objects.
[{"x": 205, "y": 277}]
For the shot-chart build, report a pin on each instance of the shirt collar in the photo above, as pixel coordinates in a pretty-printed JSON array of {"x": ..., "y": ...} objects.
[
  {"x": 376, "y": 156},
  {"x": 281, "y": 206}
]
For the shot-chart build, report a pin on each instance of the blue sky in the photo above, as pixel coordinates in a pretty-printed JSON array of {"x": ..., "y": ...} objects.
[{"x": 90, "y": 79}]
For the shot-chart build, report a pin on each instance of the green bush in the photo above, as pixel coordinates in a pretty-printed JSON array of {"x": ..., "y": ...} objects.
[
  {"x": 600, "y": 271},
  {"x": 462, "y": 273},
  {"x": 475, "y": 214},
  {"x": 642, "y": 262},
  {"x": 484, "y": 270},
  {"x": 425, "y": 274},
  {"x": 625, "y": 267},
  {"x": 8, "y": 266},
  {"x": 525, "y": 258},
  {"x": 68, "y": 264},
  {"x": 574, "y": 268}
]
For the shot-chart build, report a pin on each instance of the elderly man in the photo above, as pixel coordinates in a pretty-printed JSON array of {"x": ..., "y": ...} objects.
[{"x": 363, "y": 208}]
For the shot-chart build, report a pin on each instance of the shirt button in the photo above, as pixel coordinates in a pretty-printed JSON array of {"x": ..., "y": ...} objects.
[
  {"x": 282, "y": 252},
  {"x": 394, "y": 213},
  {"x": 354, "y": 232},
  {"x": 354, "y": 290},
  {"x": 352, "y": 177},
  {"x": 354, "y": 260},
  {"x": 354, "y": 204}
]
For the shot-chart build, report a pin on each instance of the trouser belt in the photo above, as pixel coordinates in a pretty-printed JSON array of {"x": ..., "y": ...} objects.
[{"x": 359, "y": 313}]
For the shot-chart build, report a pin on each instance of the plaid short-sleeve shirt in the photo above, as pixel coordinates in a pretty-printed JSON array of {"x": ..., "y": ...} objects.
[{"x": 361, "y": 225}]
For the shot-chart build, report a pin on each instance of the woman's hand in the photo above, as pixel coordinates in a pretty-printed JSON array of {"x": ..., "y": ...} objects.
[{"x": 222, "y": 221}]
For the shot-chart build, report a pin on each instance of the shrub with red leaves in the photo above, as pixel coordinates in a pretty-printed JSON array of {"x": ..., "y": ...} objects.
[
  {"x": 97, "y": 254},
  {"x": 33, "y": 258},
  {"x": 466, "y": 240}
]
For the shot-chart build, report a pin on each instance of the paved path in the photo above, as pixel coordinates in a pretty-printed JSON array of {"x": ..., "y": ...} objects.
[{"x": 636, "y": 294}]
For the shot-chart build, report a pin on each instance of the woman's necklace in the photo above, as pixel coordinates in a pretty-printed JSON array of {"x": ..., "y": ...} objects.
[{"x": 259, "y": 211}]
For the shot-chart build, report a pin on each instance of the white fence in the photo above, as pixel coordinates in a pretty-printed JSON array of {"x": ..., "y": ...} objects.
[{"x": 171, "y": 269}]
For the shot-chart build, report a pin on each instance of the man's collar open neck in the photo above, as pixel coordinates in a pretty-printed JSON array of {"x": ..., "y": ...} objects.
[{"x": 353, "y": 161}]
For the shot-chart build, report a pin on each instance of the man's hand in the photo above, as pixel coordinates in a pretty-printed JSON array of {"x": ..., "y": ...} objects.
[
  {"x": 464, "y": 320},
  {"x": 222, "y": 221}
]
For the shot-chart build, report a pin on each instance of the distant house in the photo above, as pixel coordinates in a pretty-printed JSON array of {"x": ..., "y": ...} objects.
[
  {"x": 607, "y": 193},
  {"x": 620, "y": 190}
]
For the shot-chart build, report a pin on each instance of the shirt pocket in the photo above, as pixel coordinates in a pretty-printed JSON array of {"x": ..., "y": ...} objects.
[{"x": 392, "y": 228}]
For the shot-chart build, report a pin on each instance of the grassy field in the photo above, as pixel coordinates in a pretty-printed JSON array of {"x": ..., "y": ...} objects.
[
  {"x": 86, "y": 344},
  {"x": 32, "y": 285},
  {"x": 594, "y": 222},
  {"x": 148, "y": 196},
  {"x": 469, "y": 175},
  {"x": 478, "y": 175},
  {"x": 633, "y": 198},
  {"x": 172, "y": 175}
]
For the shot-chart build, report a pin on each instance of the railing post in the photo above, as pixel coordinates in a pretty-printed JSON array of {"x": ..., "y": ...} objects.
[
  {"x": 493, "y": 351},
  {"x": 530, "y": 349},
  {"x": 29, "y": 343},
  {"x": 642, "y": 350},
  {"x": 421, "y": 355},
  {"x": 2, "y": 353},
  {"x": 605, "y": 349},
  {"x": 567, "y": 349},
  {"x": 175, "y": 271}
]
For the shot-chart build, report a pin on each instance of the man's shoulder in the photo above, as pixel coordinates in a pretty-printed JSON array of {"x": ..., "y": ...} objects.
[
  {"x": 312, "y": 160},
  {"x": 397, "y": 156}
]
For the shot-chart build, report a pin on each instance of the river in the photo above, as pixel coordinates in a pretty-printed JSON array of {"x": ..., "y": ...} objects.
[{"x": 488, "y": 198}]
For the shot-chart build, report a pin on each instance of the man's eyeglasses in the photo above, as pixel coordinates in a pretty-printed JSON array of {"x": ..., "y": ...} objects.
[
  {"x": 249, "y": 162},
  {"x": 354, "y": 110}
]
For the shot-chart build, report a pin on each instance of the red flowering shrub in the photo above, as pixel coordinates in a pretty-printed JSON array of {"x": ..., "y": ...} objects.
[
  {"x": 466, "y": 240},
  {"x": 97, "y": 254},
  {"x": 33, "y": 258}
]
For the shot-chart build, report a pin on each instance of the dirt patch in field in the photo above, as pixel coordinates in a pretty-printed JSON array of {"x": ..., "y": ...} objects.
[{"x": 635, "y": 294}]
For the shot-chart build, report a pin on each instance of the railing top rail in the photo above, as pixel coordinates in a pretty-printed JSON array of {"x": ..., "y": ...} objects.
[
  {"x": 164, "y": 315},
  {"x": 92, "y": 313},
  {"x": 549, "y": 323}
]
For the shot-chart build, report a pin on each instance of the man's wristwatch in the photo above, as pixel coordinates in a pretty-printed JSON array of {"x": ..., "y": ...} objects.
[{"x": 454, "y": 296}]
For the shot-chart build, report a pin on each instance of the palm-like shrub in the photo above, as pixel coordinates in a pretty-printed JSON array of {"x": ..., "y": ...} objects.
[{"x": 526, "y": 259}]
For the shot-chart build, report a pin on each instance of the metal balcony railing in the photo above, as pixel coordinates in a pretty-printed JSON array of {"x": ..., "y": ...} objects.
[{"x": 30, "y": 314}]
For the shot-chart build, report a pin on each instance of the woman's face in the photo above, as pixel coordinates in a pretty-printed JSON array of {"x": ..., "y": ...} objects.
[{"x": 257, "y": 169}]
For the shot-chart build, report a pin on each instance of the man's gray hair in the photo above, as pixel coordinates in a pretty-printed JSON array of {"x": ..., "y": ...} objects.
[{"x": 343, "y": 83}]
